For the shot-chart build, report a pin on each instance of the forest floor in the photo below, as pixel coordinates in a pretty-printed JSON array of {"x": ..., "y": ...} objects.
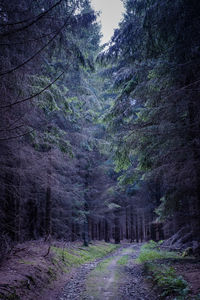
[
  {"x": 100, "y": 272},
  {"x": 33, "y": 267}
]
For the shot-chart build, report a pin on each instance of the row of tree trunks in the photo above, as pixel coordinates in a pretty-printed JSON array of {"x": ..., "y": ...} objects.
[{"x": 128, "y": 224}]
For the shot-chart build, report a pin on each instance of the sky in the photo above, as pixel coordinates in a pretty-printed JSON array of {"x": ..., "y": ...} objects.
[{"x": 112, "y": 12}]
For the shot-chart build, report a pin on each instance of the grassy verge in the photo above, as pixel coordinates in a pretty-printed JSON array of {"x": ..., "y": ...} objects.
[
  {"x": 102, "y": 279},
  {"x": 31, "y": 271},
  {"x": 123, "y": 260},
  {"x": 73, "y": 257},
  {"x": 151, "y": 251},
  {"x": 160, "y": 272}
]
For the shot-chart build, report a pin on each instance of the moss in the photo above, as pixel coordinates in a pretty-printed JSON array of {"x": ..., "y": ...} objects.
[
  {"x": 127, "y": 251},
  {"x": 75, "y": 257},
  {"x": 26, "y": 262},
  {"x": 103, "y": 265},
  {"x": 123, "y": 260}
]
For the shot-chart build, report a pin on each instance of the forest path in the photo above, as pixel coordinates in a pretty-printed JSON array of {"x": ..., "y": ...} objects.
[{"x": 116, "y": 277}]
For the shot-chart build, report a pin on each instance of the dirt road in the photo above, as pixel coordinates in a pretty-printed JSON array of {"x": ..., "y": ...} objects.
[{"x": 116, "y": 277}]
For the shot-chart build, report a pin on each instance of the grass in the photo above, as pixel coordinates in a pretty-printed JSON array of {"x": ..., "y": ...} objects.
[
  {"x": 150, "y": 252},
  {"x": 127, "y": 251},
  {"x": 99, "y": 278},
  {"x": 38, "y": 270},
  {"x": 123, "y": 260},
  {"x": 103, "y": 265},
  {"x": 165, "y": 277},
  {"x": 74, "y": 257},
  {"x": 149, "y": 255}
]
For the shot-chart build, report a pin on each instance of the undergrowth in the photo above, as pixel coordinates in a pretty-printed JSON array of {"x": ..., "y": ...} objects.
[
  {"x": 162, "y": 274},
  {"x": 37, "y": 270},
  {"x": 166, "y": 279},
  {"x": 151, "y": 251}
]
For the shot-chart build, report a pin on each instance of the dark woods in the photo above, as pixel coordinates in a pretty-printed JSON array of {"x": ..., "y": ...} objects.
[
  {"x": 156, "y": 113},
  {"x": 47, "y": 51},
  {"x": 105, "y": 149}
]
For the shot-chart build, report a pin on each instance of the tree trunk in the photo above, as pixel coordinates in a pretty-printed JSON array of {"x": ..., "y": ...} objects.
[
  {"x": 85, "y": 234},
  {"x": 132, "y": 226},
  {"x": 127, "y": 227},
  {"x": 48, "y": 207},
  {"x": 117, "y": 228},
  {"x": 136, "y": 229},
  {"x": 107, "y": 237}
]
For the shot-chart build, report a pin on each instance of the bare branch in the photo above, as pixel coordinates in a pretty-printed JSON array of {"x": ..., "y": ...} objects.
[
  {"x": 182, "y": 88},
  {"x": 17, "y": 136},
  {"x": 11, "y": 129},
  {"x": 40, "y": 50},
  {"x": 28, "y": 41},
  {"x": 33, "y": 96},
  {"x": 30, "y": 24}
]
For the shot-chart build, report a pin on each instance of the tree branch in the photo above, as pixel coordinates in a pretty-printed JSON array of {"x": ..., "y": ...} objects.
[
  {"x": 17, "y": 136},
  {"x": 30, "y": 24},
  {"x": 28, "y": 41},
  {"x": 33, "y": 96},
  {"x": 40, "y": 50}
]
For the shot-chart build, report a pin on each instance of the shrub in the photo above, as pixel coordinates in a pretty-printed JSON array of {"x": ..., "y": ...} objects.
[{"x": 166, "y": 278}]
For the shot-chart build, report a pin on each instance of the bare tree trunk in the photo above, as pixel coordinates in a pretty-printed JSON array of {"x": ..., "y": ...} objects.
[
  {"x": 9, "y": 207},
  {"x": 73, "y": 231},
  {"x": 127, "y": 227},
  {"x": 136, "y": 229},
  {"x": 141, "y": 228},
  {"x": 107, "y": 237},
  {"x": 99, "y": 226},
  {"x": 132, "y": 225},
  {"x": 48, "y": 207},
  {"x": 92, "y": 229},
  {"x": 117, "y": 228},
  {"x": 85, "y": 234}
]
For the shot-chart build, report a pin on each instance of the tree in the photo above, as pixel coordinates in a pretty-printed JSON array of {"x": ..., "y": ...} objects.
[{"x": 154, "y": 120}]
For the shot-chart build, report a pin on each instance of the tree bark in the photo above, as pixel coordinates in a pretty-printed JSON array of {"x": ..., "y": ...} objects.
[{"x": 117, "y": 228}]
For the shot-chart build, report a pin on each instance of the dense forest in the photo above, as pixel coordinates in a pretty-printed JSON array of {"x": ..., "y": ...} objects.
[{"x": 99, "y": 142}]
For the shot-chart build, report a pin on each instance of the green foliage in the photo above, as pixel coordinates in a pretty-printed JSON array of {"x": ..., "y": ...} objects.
[
  {"x": 103, "y": 265},
  {"x": 48, "y": 99},
  {"x": 74, "y": 257},
  {"x": 154, "y": 119},
  {"x": 152, "y": 245},
  {"x": 187, "y": 252},
  {"x": 166, "y": 278},
  {"x": 149, "y": 255},
  {"x": 151, "y": 251},
  {"x": 123, "y": 260}
]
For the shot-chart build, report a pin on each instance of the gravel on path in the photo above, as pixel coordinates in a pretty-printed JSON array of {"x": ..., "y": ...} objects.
[{"x": 130, "y": 283}]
